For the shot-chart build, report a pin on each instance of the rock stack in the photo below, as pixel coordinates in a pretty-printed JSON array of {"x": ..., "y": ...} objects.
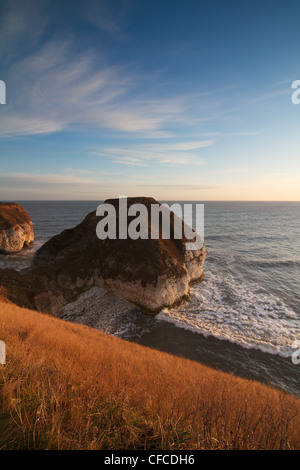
[
  {"x": 16, "y": 228},
  {"x": 149, "y": 273}
]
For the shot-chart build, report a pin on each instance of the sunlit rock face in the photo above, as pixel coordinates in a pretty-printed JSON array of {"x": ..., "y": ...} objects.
[
  {"x": 16, "y": 228},
  {"x": 150, "y": 273}
]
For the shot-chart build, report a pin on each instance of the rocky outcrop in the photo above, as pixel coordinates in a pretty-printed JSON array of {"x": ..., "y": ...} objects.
[
  {"x": 16, "y": 228},
  {"x": 150, "y": 273}
]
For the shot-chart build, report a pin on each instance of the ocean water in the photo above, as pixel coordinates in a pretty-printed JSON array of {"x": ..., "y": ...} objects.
[{"x": 245, "y": 316}]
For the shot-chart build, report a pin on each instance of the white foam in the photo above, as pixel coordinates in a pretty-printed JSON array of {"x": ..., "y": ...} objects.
[
  {"x": 21, "y": 259},
  {"x": 230, "y": 308}
]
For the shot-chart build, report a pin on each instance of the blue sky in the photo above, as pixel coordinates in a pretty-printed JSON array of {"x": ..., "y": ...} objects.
[{"x": 176, "y": 100}]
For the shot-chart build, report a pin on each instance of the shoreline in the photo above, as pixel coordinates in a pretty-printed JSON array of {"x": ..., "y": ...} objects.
[{"x": 131, "y": 324}]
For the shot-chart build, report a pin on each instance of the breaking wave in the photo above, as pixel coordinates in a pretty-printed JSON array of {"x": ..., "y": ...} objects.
[{"x": 230, "y": 308}]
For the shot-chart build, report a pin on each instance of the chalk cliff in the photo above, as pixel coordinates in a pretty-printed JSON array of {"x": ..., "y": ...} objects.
[
  {"x": 150, "y": 273},
  {"x": 16, "y": 228}
]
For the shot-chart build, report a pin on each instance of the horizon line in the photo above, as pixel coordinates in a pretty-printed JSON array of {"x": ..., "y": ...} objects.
[{"x": 171, "y": 200}]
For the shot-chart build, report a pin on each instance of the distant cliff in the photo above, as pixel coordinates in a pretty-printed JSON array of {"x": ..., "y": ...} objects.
[{"x": 16, "y": 228}]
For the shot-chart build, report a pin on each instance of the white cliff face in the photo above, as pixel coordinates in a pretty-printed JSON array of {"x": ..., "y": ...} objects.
[
  {"x": 16, "y": 238},
  {"x": 166, "y": 293},
  {"x": 194, "y": 261}
]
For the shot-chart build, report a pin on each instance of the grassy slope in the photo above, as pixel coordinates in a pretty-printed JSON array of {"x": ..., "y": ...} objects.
[{"x": 68, "y": 386}]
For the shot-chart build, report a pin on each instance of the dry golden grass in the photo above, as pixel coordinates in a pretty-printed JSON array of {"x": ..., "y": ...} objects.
[{"x": 68, "y": 386}]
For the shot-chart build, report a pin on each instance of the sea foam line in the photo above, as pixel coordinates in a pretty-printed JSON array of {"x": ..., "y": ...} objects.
[{"x": 229, "y": 308}]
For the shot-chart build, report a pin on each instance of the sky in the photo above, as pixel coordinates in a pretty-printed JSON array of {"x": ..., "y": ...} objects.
[{"x": 178, "y": 100}]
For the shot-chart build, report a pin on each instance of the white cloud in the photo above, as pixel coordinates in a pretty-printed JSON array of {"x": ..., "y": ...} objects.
[
  {"x": 81, "y": 184},
  {"x": 57, "y": 186},
  {"x": 19, "y": 178},
  {"x": 62, "y": 86},
  {"x": 56, "y": 87},
  {"x": 12, "y": 125},
  {"x": 180, "y": 153},
  {"x": 178, "y": 146},
  {"x": 52, "y": 90}
]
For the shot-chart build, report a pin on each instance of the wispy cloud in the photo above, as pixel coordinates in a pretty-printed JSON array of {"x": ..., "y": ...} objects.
[
  {"x": 53, "y": 90},
  {"x": 180, "y": 153},
  {"x": 43, "y": 179},
  {"x": 66, "y": 185},
  {"x": 22, "y": 124},
  {"x": 184, "y": 187},
  {"x": 81, "y": 184},
  {"x": 58, "y": 84},
  {"x": 178, "y": 146},
  {"x": 269, "y": 95}
]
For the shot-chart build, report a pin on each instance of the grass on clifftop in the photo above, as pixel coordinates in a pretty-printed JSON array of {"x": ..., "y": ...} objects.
[{"x": 67, "y": 386}]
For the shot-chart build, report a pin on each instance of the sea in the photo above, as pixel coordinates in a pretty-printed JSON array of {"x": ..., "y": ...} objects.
[{"x": 244, "y": 318}]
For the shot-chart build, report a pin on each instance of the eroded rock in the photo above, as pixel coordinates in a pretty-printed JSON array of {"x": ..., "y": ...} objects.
[
  {"x": 150, "y": 273},
  {"x": 16, "y": 228}
]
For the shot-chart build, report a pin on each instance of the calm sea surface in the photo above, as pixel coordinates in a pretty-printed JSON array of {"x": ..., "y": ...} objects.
[{"x": 245, "y": 315}]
